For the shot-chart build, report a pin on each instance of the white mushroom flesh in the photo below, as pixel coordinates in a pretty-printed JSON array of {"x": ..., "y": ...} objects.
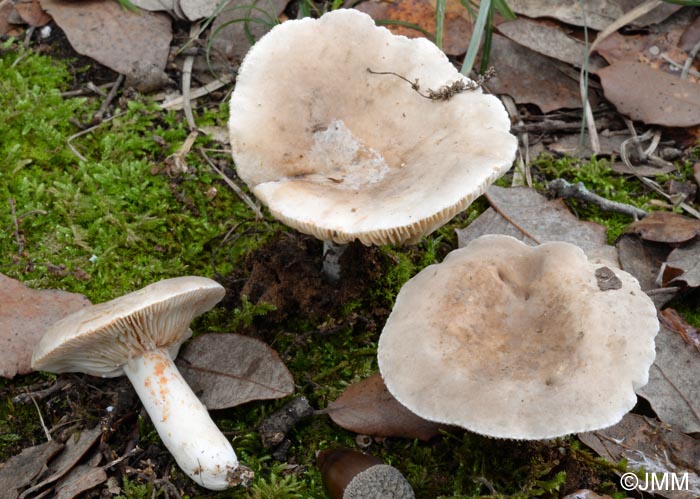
[{"x": 182, "y": 421}]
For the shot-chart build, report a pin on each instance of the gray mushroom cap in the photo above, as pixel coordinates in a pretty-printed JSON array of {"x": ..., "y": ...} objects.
[
  {"x": 342, "y": 154},
  {"x": 519, "y": 342},
  {"x": 98, "y": 340}
]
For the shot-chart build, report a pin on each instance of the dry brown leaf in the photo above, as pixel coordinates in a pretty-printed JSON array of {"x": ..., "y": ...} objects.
[
  {"x": 548, "y": 39},
  {"x": 531, "y": 78},
  {"x": 685, "y": 260},
  {"x": 368, "y": 408},
  {"x": 80, "y": 479},
  {"x": 19, "y": 471},
  {"x": 6, "y": 8},
  {"x": 226, "y": 370},
  {"x": 673, "y": 389},
  {"x": 133, "y": 44},
  {"x": 571, "y": 145},
  {"x": 31, "y": 13},
  {"x": 75, "y": 448},
  {"x": 642, "y": 259},
  {"x": 650, "y": 447},
  {"x": 665, "y": 227},
  {"x": 457, "y": 25},
  {"x": 655, "y": 97},
  {"x": 675, "y": 322},
  {"x": 598, "y": 14},
  {"x": 24, "y": 316},
  {"x": 690, "y": 36},
  {"x": 543, "y": 219},
  {"x": 228, "y": 32}
]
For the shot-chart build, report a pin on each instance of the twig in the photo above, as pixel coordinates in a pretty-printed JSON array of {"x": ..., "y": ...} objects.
[
  {"x": 18, "y": 238},
  {"x": 511, "y": 221},
  {"x": 99, "y": 115},
  {"x": 244, "y": 197},
  {"x": 41, "y": 419},
  {"x": 23, "y": 398},
  {"x": 187, "y": 82},
  {"x": 562, "y": 189},
  {"x": 89, "y": 88},
  {"x": 691, "y": 56},
  {"x": 86, "y": 131},
  {"x": 445, "y": 92},
  {"x": 177, "y": 103}
]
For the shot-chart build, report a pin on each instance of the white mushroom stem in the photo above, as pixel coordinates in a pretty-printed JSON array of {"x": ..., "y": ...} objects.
[
  {"x": 183, "y": 422},
  {"x": 331, "y": 259}
]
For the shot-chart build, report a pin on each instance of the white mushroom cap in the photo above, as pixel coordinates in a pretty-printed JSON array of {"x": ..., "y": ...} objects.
[
  {"x": 518, "y": 342},
  {"x": 100, "y": 339},
  {"x": 343, "y": 154}
]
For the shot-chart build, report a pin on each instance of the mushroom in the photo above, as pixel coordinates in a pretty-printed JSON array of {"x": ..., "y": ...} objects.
[
  {"x": 139, "y": 334},
  {"x": 348, "y": 474},
  {"x": 519, "y": 342},
  {"x": 340, "y": 152}
]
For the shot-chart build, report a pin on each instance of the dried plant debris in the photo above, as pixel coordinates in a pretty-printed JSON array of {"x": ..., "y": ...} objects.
[
  {"x": 368, "y": 408},
  {"x": 19, "y": 471},
  {"x": 532, "y": 218},
  {"x": 24, "y": 316},
  {"x": 549, "y": 39},
  {"x": 274, "y": 428},
  {"x": 133, "y": 44},
  {"x": 80, "y": 479},
  {"x": 656, "y": 97},
  {"x": 597, "y": 14},
  {"x": 665, "y": 227},
  {"x": 650, "y": 448},
  {"x": 673, "y": 390},
  {"x": 642, "y": 259},
  {"x": 31, "y": 13},
  {"x": 684, "y": 264},
  {"x": 226, "y": 370},
  {"x": 240, "y": 23},
  {"x": 457, "y": 24},
  {"x": 531, "y": 78}
]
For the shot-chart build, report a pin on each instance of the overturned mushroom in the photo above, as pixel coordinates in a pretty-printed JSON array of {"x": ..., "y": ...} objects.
[
  {"x": 138, "y": 335},
  {"x": 518, "y": 342},
  {"x": 332, "y": 139}
]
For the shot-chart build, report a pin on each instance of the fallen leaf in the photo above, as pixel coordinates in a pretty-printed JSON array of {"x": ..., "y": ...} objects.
[
  {"x": 133, "y": 44},
  {"x": 19, "y": 471},
  {"x": 198, "y": 9},
  {"x": 24, "y": 316},
  {"x": 598, "y": 13},
  {"x": 75, "y": 448},
  {"x": 531, "y": 78},
  {"x": 673, "y": 389},
  {"x": 368, "y": 408},
  {"x": 549, "y": 39},
  {"x": 571, "y": 145},
  {"x": 665, "y": 227},
  {"x": 642, "y": 170},
  {"x": 642, "y": 259},
  {"x": 80, "y": 479},
  {"x": 656, "y": 97},
  {"x": 686, "y": 260},
  {"x": 6, "y": 8},
  {"x": 230, "y": 30},
  {"x": 457, "y": 27},
  {"x": 690, "y": 36},
  {"x": 651, "y": 447},
  {"x": 226, "y": 370},
  {"x": 545, "y": 220},
  {"x": 675, "y": 322},
  {"x": 31, "y": 13}
]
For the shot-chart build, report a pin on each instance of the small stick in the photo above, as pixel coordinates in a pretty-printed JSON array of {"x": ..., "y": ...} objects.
[
  {"x": 99, "y": 115},
  {"x": 20, "y": 245},
  {"x": 86, "y": 131},
  {"x": 562, "y": 189},
  {"x": 445, "y": 92},
  {"x": 89, "y": 89},
  {"x": 244, "y": 197},
  {"x": 187, "y": 83},
  {"x": 41, "y": 419},
  {"x": 23, "y": 398}
]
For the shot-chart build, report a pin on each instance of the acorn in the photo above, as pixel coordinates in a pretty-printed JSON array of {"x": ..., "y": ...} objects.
[{"x": 348, "y": 474}]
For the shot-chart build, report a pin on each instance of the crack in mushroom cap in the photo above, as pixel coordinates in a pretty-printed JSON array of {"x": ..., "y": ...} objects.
[
  {"x": 98, "y": 340},
  {"x": 518, "y": 342},
  {"x": 342, "y": 154}
]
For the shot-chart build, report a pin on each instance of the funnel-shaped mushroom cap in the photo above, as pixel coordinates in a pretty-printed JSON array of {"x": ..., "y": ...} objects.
[
  {"x": 343, "y": 154},
  {"x": 99, "y": 340},
  {"x": 518, "y": 342}
]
